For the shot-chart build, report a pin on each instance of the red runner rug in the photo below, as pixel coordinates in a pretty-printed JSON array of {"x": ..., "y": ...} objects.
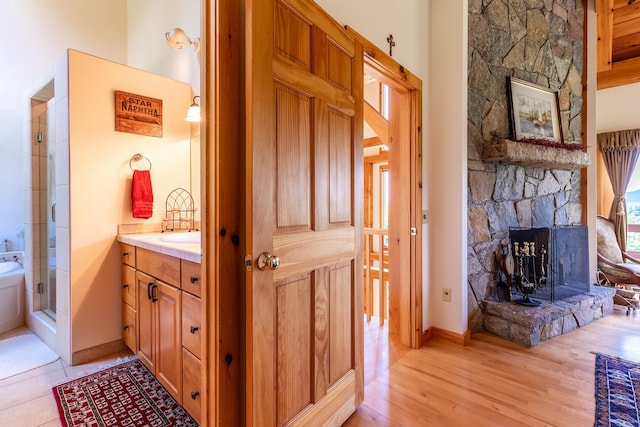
[{"x": 123, "y": 395}]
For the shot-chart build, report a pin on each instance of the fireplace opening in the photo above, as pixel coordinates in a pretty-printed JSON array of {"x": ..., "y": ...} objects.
[{"x": 550, "y": 263}]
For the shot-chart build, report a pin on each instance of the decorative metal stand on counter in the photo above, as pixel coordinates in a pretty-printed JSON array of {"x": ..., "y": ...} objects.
[
  {"x": 526, "y": 278},
  {"x": 180, "y": 211}
]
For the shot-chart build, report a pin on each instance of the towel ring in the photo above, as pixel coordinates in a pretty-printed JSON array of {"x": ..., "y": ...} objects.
[{"x": 137, "y": 157}]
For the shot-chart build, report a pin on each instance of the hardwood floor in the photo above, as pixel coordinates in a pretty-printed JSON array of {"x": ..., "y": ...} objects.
[{"x": 491, "y": 382}]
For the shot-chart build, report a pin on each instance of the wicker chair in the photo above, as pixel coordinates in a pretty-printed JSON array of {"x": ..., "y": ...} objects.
[{"x": 616, "y": 267}]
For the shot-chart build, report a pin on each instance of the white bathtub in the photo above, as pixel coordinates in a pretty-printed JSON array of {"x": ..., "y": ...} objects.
[{"x": 11, "y": 291}]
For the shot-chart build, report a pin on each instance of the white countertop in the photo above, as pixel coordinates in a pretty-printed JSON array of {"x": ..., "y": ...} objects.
[{"x": 151, "y": 241}]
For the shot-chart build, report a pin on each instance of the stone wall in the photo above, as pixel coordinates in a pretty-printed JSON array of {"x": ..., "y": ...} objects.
[{"x": 540, "y": 41}]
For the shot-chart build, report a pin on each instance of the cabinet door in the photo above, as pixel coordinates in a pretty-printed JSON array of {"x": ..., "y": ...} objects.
[
  {"x": 129, "y": 335},
  {"x": 129, "y": 285},
  {"x": 191, "y": 323},
  {"x": 146, "y": 321},
  {"x": 192, "y": 384},
  {"x": 128, "y": 254},
  {"x": 190, "y": 277},
  {"x": 168, "y": 306}
]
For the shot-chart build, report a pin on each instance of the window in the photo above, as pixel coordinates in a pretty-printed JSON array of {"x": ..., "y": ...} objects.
[{"x": 632, "y": 199}]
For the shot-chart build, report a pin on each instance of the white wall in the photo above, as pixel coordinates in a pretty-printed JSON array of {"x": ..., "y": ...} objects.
[
  {"x": 617, "y": 108},
  {"x": 447, "y": 164},
  {"x": 148, "y": 21},
  {"x": 34, "y": 34}
]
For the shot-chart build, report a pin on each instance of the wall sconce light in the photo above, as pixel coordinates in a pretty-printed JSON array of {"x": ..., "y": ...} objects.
[
  {"x": 193, "y": 113},
  {"x": 177, "y": 39}
]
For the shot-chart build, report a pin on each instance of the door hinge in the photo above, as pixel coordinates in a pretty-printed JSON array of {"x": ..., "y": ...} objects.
[
  {"x": 40, "y": 288},
  {"x": 414, "y": 231}
]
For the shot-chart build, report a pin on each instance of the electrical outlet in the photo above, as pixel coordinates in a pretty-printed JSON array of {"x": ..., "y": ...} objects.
[{"x": 446, "y": 294}]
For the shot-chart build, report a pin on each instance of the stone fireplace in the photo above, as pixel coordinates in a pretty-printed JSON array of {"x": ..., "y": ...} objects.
[{"x": 514, "y": 185}]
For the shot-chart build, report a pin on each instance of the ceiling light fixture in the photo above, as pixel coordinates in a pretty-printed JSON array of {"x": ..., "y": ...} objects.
[
  {"x": 177, "y": 39},
  {"x": 193, "y": 114}
]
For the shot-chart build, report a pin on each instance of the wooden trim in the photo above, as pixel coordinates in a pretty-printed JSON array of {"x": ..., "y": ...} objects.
[
  {"x": 416, "y": 215},
  {"x": 621, "y": 73},
  {"x": 426, "y": 337},
  {"x": 383, "y": 65},
  {"x": 605, "y": 34},
  {"x": 460, "y": 339},
  {"x": 222, "y": 188},
  {"x": 92, "y": 353},
  {"x": 585, "y": 114}
]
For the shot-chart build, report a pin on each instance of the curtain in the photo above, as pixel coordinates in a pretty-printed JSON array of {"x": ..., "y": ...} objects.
[{"x": 620, "y": 151}]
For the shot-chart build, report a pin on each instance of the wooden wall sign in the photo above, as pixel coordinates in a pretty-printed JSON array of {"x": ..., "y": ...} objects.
[{"x": 138, "y": 114}]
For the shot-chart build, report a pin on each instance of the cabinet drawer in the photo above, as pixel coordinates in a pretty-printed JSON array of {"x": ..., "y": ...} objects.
[
  {"x": 129, "y": 335},
  {"x": 128, "y": 254},
  {"x": 161, "y": 266},
  {"x": 191, "y": 277},
  {"x": 191, "y": 384},
  {"x": 191, "y": 323},
  {"x": 129, "y": 285}
]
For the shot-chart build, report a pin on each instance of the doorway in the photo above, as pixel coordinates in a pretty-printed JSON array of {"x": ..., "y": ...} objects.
[{"x": 392, "y": 195}]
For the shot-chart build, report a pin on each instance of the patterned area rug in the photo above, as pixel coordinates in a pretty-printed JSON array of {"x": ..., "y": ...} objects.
[
  {"x": 617, "y": 392},
  {"x": 123, "y": 395}
]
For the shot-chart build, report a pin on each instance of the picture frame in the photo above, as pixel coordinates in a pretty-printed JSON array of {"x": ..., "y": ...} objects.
[{"x": 535, "y": 112}]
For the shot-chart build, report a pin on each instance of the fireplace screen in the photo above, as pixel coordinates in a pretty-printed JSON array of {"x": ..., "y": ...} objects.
[{"x": 550, "y": 263}]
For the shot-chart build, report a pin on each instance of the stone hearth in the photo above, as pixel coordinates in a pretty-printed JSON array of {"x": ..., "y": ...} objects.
[{"x": 529, "y": 326}]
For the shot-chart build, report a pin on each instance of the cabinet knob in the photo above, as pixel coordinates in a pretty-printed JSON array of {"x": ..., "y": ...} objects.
[
  {"x": 125, "y": 286},
  {"x": 125, "y": 327},
  {"x": 193, "y": 279},
  {"x": 125, "y": 253},
  {"x": 195, "y": 394},
  {"x": 194, "y": 329}
]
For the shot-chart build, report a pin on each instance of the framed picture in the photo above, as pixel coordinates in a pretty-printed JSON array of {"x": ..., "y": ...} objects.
[{"x": 535, "y": 112}]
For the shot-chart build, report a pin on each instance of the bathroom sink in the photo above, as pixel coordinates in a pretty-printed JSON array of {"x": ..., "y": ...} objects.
[{"x": 186, "y": 237}]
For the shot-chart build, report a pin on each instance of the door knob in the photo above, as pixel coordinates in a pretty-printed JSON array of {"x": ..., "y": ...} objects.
[{"x": 268, "y": 261}]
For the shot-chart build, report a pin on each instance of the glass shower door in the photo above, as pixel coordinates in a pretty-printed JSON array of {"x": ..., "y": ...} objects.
[{"x": 44, "y": 144}]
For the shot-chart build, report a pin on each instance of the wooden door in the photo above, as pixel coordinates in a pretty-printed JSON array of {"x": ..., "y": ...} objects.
[
  {"x": 168, "y": 306},
  {"x": 146, "y": 336},
  {"x": 304, "y": 181}
]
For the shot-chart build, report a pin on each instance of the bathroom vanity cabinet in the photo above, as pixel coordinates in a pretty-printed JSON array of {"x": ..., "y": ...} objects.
[{"x": 161, "y": 320}]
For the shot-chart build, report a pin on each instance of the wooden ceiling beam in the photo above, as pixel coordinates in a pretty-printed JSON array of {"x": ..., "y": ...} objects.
[
  {"x": 626, "y": 28},
  {"x": 621, "y": 73},
  {"x": 605, "y": 34},
  {"x": 626, "y": 13},
  {"x": 374, "y": 141},
  {"x": 626, "y": 47},
  {"x": 618, "y": 4},
  {"x": 379, "y": 124}
]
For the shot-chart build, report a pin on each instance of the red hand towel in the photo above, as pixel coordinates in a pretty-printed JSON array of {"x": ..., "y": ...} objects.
[{"x": 141, "y": 194}]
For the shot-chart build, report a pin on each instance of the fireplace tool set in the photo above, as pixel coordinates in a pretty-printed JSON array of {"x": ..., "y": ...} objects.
[{"x": 524, "y": 269}]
